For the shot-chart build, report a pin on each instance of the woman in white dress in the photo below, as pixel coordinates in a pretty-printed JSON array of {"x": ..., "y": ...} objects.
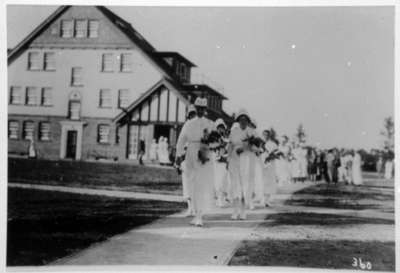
[
  {"x": 269, "y": 171},
  {"x": 153, "y": 151},
  {"x": 303, "y": 163},
  {"x": 389, "y": 164},
  {"x": 282, "y": 164},
  {"x": 238, "y": 166},
  {"x": 356, "y": 169},
  {"x": 220, "y": 166},
  {"x": 199, "y": 174},
  {"x": 295, "y": 166}
]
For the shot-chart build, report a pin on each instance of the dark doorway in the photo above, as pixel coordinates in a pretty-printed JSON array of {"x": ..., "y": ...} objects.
[
  {"x": 71, "y": 144},
  {"x": 161, "y": 130}
]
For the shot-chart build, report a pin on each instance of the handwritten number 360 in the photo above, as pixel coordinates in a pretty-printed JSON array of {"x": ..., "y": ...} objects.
[{"x": 363, "y": 265}]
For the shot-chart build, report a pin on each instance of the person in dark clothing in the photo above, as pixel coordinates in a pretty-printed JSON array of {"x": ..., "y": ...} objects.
[{"x": 142, "y": 150}]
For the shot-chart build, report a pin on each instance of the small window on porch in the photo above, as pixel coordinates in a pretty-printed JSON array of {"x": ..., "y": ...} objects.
[{"x": 103, "y": 134}]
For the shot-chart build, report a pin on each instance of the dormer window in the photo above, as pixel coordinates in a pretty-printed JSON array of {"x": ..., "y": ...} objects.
[
  {"x": 67, "y": 28},
  {"x": 81, "y": 28}
]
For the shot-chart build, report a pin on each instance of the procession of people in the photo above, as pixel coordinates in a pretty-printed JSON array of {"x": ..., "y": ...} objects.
[{"x": 242, "y": 168}]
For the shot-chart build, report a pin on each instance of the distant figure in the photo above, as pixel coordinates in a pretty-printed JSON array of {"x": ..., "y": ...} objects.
[
  {"x": 389, "y": 165},
  {"x": 159, "y": 149},
  {"x": 163, "y": 151},
  {"x": 330, "y": 158},
  {"x": 312, "y": 165},
  {"x": 142, "y": 150},
  {"x": 356, "y": 169},
  {"x": 153, "y": 151},
  {"x": 349, "y": 168},
  {"x": 32, "y": 149},
  {"x": 342, "y": 168},
  {"x": 379, "y": 166}
]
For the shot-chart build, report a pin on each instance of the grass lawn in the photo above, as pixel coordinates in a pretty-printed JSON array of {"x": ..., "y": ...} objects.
[
  {"x": 322, "y": 240},
  {"x": 333, "y": 254},
  {"x": 111, "y": 176},
  {"x": 43, "y": 226}
]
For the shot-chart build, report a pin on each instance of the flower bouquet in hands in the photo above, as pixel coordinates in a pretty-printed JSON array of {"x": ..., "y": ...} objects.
[
  {"x": 255, "y": 143},
  {"x": 210, "y": 140},
  {"x": 274, "y": 155}
]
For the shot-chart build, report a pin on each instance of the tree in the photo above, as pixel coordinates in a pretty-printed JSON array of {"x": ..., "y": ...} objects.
[
  {"x": 388, "y": 133},
  {"x": 301, "y": 134}
]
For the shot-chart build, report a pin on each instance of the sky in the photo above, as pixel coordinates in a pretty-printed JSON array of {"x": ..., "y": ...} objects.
[{"x": 329, "y": 68}]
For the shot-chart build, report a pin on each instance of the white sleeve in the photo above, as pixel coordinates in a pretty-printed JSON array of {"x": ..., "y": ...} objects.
[{"x": 182, "y": 141}]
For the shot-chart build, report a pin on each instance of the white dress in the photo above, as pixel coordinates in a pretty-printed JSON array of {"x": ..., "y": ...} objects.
[
  {"x": 295, "y": 164},
  {"x": 239, "y": 165},
  {"x": 269, "y": 170},
  {"x": 356, "y": 170},
  {"x": 201, "y": 176},
  {"x": 388, "y": 169},
  {"x": 220, "y": 174},
  {"x": 303, "y": 163},
  {"x": 153, "y": 150},
  {"x": 283, "y": 165}
]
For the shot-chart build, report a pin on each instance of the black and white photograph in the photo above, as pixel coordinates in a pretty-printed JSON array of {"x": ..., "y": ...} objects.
[{"x": 205, "y": 137}]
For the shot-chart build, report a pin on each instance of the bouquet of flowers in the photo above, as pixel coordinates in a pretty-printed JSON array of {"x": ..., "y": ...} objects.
[
  {"x": 274, "y": 155},
  {"x": 210, "y": 140},
  {"x": 256, "y": 144}
]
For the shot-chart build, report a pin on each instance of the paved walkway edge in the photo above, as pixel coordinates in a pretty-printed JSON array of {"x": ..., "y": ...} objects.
[{"x": 110, "y": 193}]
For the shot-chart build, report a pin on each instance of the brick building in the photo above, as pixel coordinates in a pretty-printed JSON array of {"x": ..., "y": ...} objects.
[{"x": 85, "y": 84}]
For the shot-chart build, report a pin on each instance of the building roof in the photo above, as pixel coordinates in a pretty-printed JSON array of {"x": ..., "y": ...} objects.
[
  {"x": 177, "y": 55},
  {"x": 203, "y": 87}
]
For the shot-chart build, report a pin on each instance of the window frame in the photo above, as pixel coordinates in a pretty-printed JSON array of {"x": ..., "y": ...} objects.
[
  {"x": 73, "y": 76},
  {"x": 71, "y": 31},
  {"x": 30, "y": 62},
  {"x": 17, "y": 136},
  {"x": 122, "y": 62},
  {"x": 99, "y": 135},
  {"x": 27, "y": 96},
  {"x": 40, "y": 136},
  {"x": 12, "y": 88},
  {"x": 85, "y": 28},
  {"x": 70, "y": 109},
  {"x": 120, "y": 100},
  {"x": 45, "y": 64},
  {"x": 24, "y": 133},
  {"x": 42, "y": 96},
  {"x": 103, "y": 59},
  {"x": 101, "y": 99},
  {"x": 89, "y": 35}
]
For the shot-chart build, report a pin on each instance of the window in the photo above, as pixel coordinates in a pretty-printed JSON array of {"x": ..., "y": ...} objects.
[
  {"x": 74, "y": 110},
  {"x": 31, "y": 96},
  {"x": 46, "y": 99},
  {"x": 13, "y": 128},
  {"x": 49, "y": 61},
  {"x": 126, "y": 62},
  {"x": 76, "y": 78},
  {"x": 33, "y": 61},
  {"x": 44, "y": 131},
  {"x": 81, "y": 28},
  {"x": 93, "y": 28},
  {"x": 15, "y": 95},
  {"x": 107, "y": 62},
  {"x": 123, "y": 98},
  {"x": 103, "y": 133},
  {"x": 67, "y": 28},
  {"x": 105, "y": 98},
  {"x": 28, "y": 130}
]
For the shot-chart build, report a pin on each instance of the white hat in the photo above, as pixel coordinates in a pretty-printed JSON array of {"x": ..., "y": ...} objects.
[
  {"x": 254, "y": 122},
  {"x": 219, "y": 122},
  {"x": 242, "y": 112},
  {"x": 235, "y": 125},
  {"x": 202, "y": 102},
  {"x": 191, "y": 109}
]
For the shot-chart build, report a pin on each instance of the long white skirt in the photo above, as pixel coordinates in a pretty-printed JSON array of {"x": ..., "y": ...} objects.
[
  {"x": 283, "y": 172},
  {"x": 201, "y": 176},
  {"x": 221, "y": 178},
  {"x": 388, "y": 169},
  {"x": 239, "y": 175},
  {"x": 270, "y": 179},
  {"x": 357, "y": 177}
]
